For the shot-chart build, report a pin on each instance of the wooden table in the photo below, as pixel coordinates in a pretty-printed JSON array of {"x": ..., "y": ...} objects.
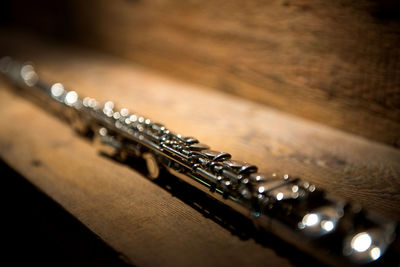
[{"x": 149, "y": 223}]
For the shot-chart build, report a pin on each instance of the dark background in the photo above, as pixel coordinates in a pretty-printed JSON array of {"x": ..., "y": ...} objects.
[{"x": 38, "y": 232}]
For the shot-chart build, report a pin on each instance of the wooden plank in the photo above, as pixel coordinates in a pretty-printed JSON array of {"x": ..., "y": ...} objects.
[
  {"x": 336, "y": 63},
  {"x": 147, "y": 223}
]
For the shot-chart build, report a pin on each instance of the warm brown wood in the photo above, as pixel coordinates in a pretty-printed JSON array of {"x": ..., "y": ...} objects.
[
  {"x": 145, "y": 222},
  {"x": 335, "y": 62}
]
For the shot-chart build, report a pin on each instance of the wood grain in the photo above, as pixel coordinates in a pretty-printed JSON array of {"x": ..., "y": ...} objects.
[
  {"x": 336, "y": 63},
  {"x": 145, "y": 222}
]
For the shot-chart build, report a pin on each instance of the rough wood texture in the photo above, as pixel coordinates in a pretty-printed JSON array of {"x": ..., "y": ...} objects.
[
  {"x": 335, "y": 62},
  {"x": 145, "y": 222}
]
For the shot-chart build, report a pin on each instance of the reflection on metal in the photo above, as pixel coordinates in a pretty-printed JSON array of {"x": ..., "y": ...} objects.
[
  {"x": 369, "y": 245},
  {"x": 57, "y": 90},
  {"x": 106, "y": 143},
  {"x": 293, "y": 209},
  {"x": 310, "y": 219},
  {"x": 327, "y": 225},
  {"x": 375, "y": 253},
  {"x": 361, "y": 242},
  {"x": 321, "y": 221},
  {"x": 29, "y": 75},
  {"x": 215, "y": 155},
  {"x": 71, "y": 98},
  {"x": 152, "y": 165}
]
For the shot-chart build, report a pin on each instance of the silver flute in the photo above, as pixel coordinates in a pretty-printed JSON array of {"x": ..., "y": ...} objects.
[{"x": 324, "y": 226}]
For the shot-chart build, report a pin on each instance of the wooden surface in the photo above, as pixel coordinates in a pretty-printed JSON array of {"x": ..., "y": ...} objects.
[
  {"x": 145, "y": 222},
  {"x": 335, "y": 62}
]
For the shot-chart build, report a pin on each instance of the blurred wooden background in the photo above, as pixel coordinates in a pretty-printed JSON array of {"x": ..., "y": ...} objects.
[{"x": 335, "y": 62}]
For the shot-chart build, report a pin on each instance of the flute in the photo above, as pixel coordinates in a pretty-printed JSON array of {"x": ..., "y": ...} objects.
[{"x": 323, "y": 225}]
